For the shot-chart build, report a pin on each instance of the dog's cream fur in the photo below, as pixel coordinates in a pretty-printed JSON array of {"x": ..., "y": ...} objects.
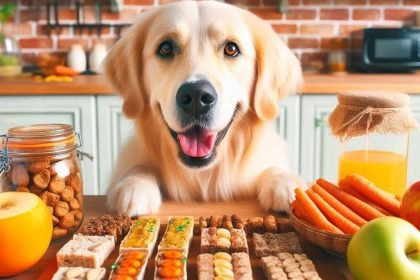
[{"x": 252, "y": 159}]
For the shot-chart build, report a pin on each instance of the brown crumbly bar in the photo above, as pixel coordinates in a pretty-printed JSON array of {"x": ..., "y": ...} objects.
[
  {"x": 209, "y": 240},
  {"x": 85, "y": 251},
  {"x": 269, "y": 244},
  {"x": 115, "y": 225},
  {"x": 287, "y": 266},
  {"x": 238, "y": 240}
]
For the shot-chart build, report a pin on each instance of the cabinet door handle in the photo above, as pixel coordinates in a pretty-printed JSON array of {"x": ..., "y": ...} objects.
[{"x": 319, "y": 122}]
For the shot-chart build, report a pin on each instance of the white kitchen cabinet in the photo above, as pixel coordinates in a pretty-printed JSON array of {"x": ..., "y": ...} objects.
[
  {"x": 287, "y": 125},
  {"x": 319, "y": 149},
  {"x": 79, "y": 111},
  {"x": 113, "y": 130}
]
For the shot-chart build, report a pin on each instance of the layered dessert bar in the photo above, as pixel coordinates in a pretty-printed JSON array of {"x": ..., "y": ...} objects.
[
  {"x": 142, "y": 235},
  {"x": 178, "y": 233},
  {"x": 85, "y": 251}
]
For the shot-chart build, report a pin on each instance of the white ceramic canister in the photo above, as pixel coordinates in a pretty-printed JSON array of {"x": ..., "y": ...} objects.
[
  {"x": 76, "y": 58},
  {"x": 96, "y": 57}
]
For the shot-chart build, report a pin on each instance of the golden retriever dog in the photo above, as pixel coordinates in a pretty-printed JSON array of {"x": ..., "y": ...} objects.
[{"x": 202, "y": 81}]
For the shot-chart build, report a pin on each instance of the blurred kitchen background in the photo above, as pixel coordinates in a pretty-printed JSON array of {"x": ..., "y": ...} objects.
[
  {"x": 312, "y": 28},
  {"x": 52, "y": 41}
]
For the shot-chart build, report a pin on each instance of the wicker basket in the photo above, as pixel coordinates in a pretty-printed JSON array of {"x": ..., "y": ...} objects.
[{"x": 331, "y": 242}]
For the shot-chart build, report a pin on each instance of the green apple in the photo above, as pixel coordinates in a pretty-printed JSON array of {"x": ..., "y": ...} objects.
[{"x": 386, "y": 248}]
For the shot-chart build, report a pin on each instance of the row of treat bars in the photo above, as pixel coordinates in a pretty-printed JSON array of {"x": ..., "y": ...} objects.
[
  {"x": 224, "y": 249},
  {"x": 82, "y": 257},
  {"x": 252, "y": 225}
]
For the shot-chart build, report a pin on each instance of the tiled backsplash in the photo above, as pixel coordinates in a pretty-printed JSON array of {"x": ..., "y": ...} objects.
[{"x": 309, "y": 27}]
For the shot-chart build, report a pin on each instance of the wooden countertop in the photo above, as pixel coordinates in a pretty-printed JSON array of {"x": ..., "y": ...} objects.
[
  {"x": 328, "y": 266},
  {"x": 314, "y": 84},
  {"x": 81, "y": 85},
  {"x": 332, "y": 84}
]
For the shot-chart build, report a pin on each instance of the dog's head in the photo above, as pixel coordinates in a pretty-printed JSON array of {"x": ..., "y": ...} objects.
[{"x": 198, "y": 66}]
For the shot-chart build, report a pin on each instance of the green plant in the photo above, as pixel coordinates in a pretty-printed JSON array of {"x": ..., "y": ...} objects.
[{"x": 6, "y": 11}]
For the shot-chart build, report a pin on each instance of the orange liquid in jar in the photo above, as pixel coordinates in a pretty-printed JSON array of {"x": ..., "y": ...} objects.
[{"x": 386, "y": 170}]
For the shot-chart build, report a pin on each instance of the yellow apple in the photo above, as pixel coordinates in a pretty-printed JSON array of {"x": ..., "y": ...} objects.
[{"x": 25, "y": 231}]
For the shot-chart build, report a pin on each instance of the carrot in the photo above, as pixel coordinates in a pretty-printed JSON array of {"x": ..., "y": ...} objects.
[
  {"x": 300, "y": 211},
  {"x": 335, "y": 217},
  {"x": 362, "y": 208},
  {"x": 380, "y": 197},
  {"x": 338, "y": 206},
  {"x": 65, "y": 71},
  {"x": 316, "y": 215},
  {"x": 345, "y": 186}
]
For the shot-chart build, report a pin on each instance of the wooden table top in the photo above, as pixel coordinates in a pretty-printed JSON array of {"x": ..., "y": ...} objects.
[
  {"x": 328, "y": 266},
  {"x": 313, "y": 84}
]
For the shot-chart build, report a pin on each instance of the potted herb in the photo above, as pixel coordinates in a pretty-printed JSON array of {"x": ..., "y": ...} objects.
[{"x": 9, "y": 50}]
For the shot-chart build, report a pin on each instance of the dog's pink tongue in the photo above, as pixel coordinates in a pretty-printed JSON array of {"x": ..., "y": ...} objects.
[{"x": 197, "y": 143}]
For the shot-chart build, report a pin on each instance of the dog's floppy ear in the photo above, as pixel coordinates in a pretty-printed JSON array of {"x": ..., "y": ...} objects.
[
  {"x": 278, "y": 70},
  {"x": 123, "y": 66}
]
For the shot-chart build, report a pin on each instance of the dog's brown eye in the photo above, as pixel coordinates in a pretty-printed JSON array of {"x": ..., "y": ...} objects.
[
  {"x": 231, "y": 49},
  {"x": 165, "y": 49}
]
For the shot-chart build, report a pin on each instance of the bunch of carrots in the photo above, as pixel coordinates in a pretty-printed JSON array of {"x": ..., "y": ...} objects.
[{"x": 346, "y": 207}]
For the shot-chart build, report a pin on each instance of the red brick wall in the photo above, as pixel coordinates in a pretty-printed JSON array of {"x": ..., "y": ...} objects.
[{"x": 310, "y": 27}]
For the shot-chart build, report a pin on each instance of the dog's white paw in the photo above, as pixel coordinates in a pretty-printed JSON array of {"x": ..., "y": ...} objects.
[
  {"x": 276, "y": 189},
  {"x": 135, "y": 195}
]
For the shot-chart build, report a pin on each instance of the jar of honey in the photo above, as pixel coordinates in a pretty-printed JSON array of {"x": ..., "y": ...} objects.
[
  {"x": 374, "y": 131},
  {"x": 43, "y": 159}
]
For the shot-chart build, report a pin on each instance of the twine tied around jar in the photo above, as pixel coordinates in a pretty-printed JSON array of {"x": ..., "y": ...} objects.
[{"x": 360, "y": 113}]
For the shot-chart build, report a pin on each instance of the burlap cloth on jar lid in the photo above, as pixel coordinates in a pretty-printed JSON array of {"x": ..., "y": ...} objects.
[{"x": 363, "y": 112}]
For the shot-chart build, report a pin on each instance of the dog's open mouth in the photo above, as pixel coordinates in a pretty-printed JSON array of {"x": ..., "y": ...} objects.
[
  {"x": 197, "y": 145},
  {"x": 197, "y": 142}
]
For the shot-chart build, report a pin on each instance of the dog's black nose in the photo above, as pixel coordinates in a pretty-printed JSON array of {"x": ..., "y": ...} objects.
[{"x": 196, "y": 98}]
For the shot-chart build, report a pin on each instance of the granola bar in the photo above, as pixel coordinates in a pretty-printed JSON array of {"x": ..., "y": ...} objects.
[
  {"x": 115, "y": 225},
  {"x": 269, "y": 244}
]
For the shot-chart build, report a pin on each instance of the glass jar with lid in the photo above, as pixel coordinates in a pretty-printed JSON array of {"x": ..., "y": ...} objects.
[
  {"x": 43, "y": 159},
  {"x": 374, "y": 131}
]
